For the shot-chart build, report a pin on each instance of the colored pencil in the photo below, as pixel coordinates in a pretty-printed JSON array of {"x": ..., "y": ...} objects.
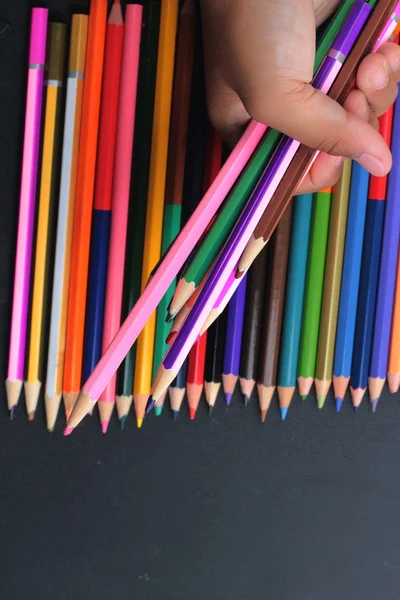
[
  {"x": 369, "y": 275},
  {"x": 220, "y": 229},
  {"x": 387, "y": 273},
  {"x": 196, "y": 226},
  {"x": 176, "y": 163},
  {"x": 394, "y": 355},
  {"x": 138, "y": 192},
  {"x": 313, "y": 291},
  {"x": 33, "y": 119},
  {"x": 350, "y": 282},
  {"x": 343, "y": 43},
  {"x": 331, "y": 286},
  {"x": 214, "y": 360},
  {"x": 252, "y": 326},
  {"x": 295, "y": 285},
  {"x": 155, "y": 196},
  {"x": 84, "y": 203},
  {"x": 101, "y": 218},
  {"x": 177, "y": 391},
  {"x": 195, "y": 374},
  {"x": 49, "y": 188},
  {"x": 275, "y": 286},
  {"x": 120, "y": 192},
  {"x": 256, "y": 206},
  {"x": 62, "y": 263},
  {"x": 233, "y": 343}
]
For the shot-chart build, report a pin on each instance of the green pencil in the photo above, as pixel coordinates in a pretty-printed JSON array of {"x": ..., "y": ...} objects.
[
  {"x": 138, "y": 201},
  {"x": 175, "y": 167},
  {"x": 233, "y": 206},
  {"x": 313, "y": 291}
]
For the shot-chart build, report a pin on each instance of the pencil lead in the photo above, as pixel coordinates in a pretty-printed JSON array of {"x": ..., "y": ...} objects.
[
  {"x": 284, "y": 412},
  {"x": 12, "y": 413},
  {"x": 122, "y": 422},
  {"x": 104, "y": 426},
  {"x": 239, "y": 274},
  {"x": 374, "y": 404},
  {"x": 228, "y": 398},
  {"x": 150, "y": 405},
  {"x": 170, "y": 337},
  {"x": 158, "y": 410},
  {"x": 303, "y": 397},
  {"x": 263, "y": 415},
  {"x": 339, "y": 403},
  {"x": 31, "y": 417},
  {"x": 356, "y": 407},
  {"x": 139, "y": 422},
  {"x": 169, "y": 318},
  {"x": 68, "y": 430},
  {"x": 246, "y": 400},
  {"x": 192, "y": 413},
  {"x": 320, "y": 402},
  {"x": 210, "y": 409},
  {"x": 175, "y": 414}
]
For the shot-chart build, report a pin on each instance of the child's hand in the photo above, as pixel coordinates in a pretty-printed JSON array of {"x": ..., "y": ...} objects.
[{"x": 259, "y": 57}]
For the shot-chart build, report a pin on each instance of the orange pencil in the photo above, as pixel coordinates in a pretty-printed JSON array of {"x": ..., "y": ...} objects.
[{"x": 84, "y": 202}]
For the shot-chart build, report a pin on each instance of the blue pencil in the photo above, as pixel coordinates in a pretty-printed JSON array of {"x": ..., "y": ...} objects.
[
  {"x": 369, "y": 275},
  {"x": 177, "y": 390},
  {"x": 387, "y": 272},
  {"x": 233, "y": 341},
  {"x": 350, "y": 282},
  {"x": 291, "y": 327}
]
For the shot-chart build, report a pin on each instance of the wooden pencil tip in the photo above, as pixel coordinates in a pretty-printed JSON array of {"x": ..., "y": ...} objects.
[
  {"x": 31, "y": 416},
  {"x": 263, "y": 415}
]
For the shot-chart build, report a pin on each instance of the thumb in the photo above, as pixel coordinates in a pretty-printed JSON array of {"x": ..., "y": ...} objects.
[{"x": 309, "y": 116}]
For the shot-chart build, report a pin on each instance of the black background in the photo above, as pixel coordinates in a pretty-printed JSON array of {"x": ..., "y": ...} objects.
[{"x": 222, "y": 508}]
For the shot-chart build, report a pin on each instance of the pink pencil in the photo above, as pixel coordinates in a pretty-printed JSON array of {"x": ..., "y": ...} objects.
[
  {"x": 33, "y": 119},
  {"x": 120, "y": 195},
  {"x": 166, "y": 273}
]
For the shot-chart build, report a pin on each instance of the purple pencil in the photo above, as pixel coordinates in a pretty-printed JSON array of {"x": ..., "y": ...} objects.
[
  {"x": 233, "y": 340},
  {"x": 233, "y": 248},
  {"x": 33, "y": 118},
  {"x": 387, "y": 275}
]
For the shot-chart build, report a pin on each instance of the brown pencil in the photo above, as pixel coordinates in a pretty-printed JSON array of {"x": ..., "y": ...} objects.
[
  {"x": 305, "y": 156},
  {"x": 252, "y": 325},
  {"x": 272, "y": 323}
]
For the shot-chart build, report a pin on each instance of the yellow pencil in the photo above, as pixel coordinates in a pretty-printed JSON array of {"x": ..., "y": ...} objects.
[
  {"x": 155, "y": 197},
  {"x": 49, "y": 184}
]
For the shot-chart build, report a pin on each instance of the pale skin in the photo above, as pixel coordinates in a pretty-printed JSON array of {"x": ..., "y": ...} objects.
[{"x": 259, "y": 57}]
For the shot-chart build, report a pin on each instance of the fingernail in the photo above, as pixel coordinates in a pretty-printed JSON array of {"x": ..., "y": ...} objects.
[
  {"x": 339, "y": 162},
  {"x": 395, "y": 64},
  {"x": 372, "y": 164},
  {"x": 380, "y": 78}
]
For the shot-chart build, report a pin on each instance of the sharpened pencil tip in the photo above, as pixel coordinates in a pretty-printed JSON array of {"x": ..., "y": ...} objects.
[
  {"x": 104, "y": 426},
  {"x": 175, "y": 414},
  {"x": 228, "y": 398},
  {"x": 263, "y": 415},
  {"x": 169, "y": 318},
  {"x": 210, "y": 409},
  {"x": 31, "y": 416},
  {"x": 356, "y": 407},
  {"x": 139, "y": 422},
  {"x": 303, "y": 397},
  {"x": 122, "y": 422},
  {"x": 12, "y": 413},
  {"x": 374, "y": 404},
  {"x": 284, "y": 412},
  {"x": 68, "y": 431},
  {"x": 192, "y": 413},
  {"x": 150, "y": 405},
  {"x": 158, "y": 410},
  {"x": 339, "y": 403},
  {"x": 239, "y": 274},
  {"x": 246, "y": 400},
  {"x": 320, "y": 402}
]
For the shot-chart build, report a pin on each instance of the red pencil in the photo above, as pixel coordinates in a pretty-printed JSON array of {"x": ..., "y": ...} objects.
[{"x": 195, "y": 376}]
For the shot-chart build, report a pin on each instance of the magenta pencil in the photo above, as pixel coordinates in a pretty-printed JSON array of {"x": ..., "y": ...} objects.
[
  {"x": 120, "y": 194},
  {"x": 23, "y": 261}
]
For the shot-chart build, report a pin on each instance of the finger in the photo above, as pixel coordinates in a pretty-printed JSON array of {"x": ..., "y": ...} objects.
[
  {"x": 307, "y": 115},
  {"x": 324, "y": 173},
  {"x": 357, "y": 104},
  {"x": 378, "y": 82}
]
